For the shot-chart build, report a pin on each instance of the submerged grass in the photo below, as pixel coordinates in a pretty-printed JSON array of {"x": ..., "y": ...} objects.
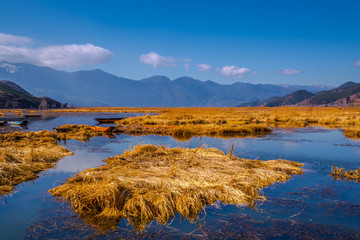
[
  {"x": 24, "y": 155},
  {"x": 153, "y": 182},
  {"x": 348, "y": 175}
]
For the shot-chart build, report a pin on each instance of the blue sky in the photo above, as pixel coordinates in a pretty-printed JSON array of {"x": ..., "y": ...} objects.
[{"x": 285, "y": 42}]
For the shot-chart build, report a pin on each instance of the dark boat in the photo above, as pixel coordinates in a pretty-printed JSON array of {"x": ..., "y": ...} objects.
[
  {"x": 33, "y": 115},
  {"x": 2, "y": 123},
  {"x": 22, "y": 122},
  {"x": 108, "y": 120}
]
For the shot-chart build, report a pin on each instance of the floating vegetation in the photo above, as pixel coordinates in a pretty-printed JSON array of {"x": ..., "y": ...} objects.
[
  {"x": 78, "y": 132},
  {"x": 185, "y": 132},
  {"x": 348, "y": 175},
  {"x": 153, "y": 182},
  {"x": 23, "y": 155}
]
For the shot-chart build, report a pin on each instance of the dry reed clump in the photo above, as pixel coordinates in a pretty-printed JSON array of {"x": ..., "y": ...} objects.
[
  {"x": 153, "y": 182},
  {"x": 349, "y": 175},
  {"x": 24, "y": 154},
  {"x": 352, "y": 133},
  {"x": 137, "y": 126},
  {"x": 78, "y": 132},
  {"x": 206, "y": 121}
]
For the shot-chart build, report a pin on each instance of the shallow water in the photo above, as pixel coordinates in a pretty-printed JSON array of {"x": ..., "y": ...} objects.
[{"x": 308, "y": 205}]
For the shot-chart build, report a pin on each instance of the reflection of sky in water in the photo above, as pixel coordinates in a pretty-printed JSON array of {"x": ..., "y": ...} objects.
[{"x": 317, "y": 148}]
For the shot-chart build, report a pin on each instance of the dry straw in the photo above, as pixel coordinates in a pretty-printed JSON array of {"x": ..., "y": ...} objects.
[
  {"x": 153, "y": 182},
  {"x": 24, "y": 155}
]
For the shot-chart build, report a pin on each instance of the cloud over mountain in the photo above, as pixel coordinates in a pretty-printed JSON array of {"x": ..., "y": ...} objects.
[
  {"x": 288, "y": 72},
  {"x": 14, "y": 40},
  {"x": 13, "y": 49},
  {"x": 156, "y": 60},
  {"x": 238, "y": 72},
  {"x": 204, "y": 67}
]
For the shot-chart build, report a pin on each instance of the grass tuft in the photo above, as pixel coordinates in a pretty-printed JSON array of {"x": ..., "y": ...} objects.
[{"x": 153, "y": 182}]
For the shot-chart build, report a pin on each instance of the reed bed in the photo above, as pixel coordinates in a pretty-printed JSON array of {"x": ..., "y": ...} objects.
[
  {"x": 154, "y": 182},
  {"x": 110, "y": 109},
  {"x": 348, "y": 175},
  {"x": 241, "y": 121},
  {"x": 78, "y": 132},
  {"x": 23, "y": 155}
]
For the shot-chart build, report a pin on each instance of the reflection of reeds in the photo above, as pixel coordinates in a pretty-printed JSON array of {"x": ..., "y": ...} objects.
[
  {"x": 24, "y": 155},
  {"x": 348, "y": 175},
  {"x": 153, "y": 182}
]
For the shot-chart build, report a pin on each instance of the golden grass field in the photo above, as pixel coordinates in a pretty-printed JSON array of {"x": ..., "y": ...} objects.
[
  {"x": 153, "y": 182},
  {"x": 240, "y": 122}
]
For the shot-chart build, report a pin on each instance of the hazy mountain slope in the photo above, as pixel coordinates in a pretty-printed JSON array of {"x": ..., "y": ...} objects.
[
  {"x": 340, "y": 96},
  {"x": 257, "y": 102},
  {"x": 98, "y": 88},
  {"x": 290, "y": 99}
]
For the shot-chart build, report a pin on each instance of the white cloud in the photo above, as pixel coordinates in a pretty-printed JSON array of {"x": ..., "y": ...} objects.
[
  {"x": 203, "y": 67},
  {"x": 7, "y": 39},
  {"x": 15, "y": 49},
  {"x": 357, "y": 63},
  {"x": 288, "y": 72},
  {"x": 187, "y": 66},
  {"x": 186, "y": 62},
  {"x": 56, "y": 56},
  {"x": 156, "y": 60},
  {"x": 235, "y": 71}
]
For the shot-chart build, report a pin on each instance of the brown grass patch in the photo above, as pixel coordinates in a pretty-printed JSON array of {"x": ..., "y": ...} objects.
[
  {"x": 78, "y": 132},
  {"x": 153, "y": 182},
  {"x": 241, "y": 121},
  {"x": 24, "y": 155},
  {"x": 348, "y": 175}
]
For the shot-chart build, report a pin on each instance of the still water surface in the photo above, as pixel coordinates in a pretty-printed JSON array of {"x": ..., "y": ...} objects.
[{"x": 310, "y": 204}]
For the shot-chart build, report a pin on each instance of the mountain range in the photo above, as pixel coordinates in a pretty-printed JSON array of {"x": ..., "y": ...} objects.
[
  {"x": 99, "y": 88},
  {"x": 346, "y": 95}
]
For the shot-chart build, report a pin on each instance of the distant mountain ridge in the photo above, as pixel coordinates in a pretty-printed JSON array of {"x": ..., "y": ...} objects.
[
  {"x": 346, "y": 95},
  {"x": 98, "y": 88},
  {"x": 290, "y": 99},
  {"x": 14, "y": 96}
]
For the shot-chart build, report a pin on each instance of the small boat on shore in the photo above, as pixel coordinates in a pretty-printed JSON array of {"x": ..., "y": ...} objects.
[
  {"x": 102, "y": 129},
  {"x": 22, "y": 122},
  {"x": 33, "y": 115},
  {"x": 108, "y": 120}
]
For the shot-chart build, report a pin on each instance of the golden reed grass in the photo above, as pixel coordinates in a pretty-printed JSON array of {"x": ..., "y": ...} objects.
[
  {"x": 78, "y": 132},
  {"x": 153, "y": 182},
  {"x": 348, "y": 175},
  {"x": 241, "y": 121},
  {"x": 24, "y": 154}
]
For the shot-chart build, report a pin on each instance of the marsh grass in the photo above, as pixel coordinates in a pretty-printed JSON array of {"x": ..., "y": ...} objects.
[
  {"x": 348, "y": 175},
  {"x": 240, "y": 122},
  {"x": 154, "y": 182},
  {"x": 23, "y": 155},
  {"x": 78, "y": 132}
]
